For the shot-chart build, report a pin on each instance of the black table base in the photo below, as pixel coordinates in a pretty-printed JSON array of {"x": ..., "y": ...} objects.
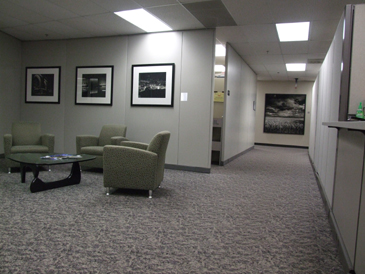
[{"x": 38, "y": 185}]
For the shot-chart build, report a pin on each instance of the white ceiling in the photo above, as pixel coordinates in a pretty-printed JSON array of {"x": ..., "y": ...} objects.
[{"x": 252, "y": 34}]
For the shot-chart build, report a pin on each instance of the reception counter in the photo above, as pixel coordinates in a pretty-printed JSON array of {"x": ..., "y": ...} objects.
[{"x": 348, "y": 203}]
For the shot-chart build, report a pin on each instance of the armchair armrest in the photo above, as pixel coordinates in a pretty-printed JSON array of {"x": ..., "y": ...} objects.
[
  {"x": 48, "y": 141},
  {"x": 85, "y": 140},
  {"x": 134, "y": 144},
  {"x": 117, "y": 139},
  {"x": 8, "y": 142}
]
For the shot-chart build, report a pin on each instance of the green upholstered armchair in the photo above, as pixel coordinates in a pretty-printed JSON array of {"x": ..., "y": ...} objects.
[
  {"x": 26, "y": 137},
  {"x": 134, "y": 165},
  {"x": 94, "y": 145}
]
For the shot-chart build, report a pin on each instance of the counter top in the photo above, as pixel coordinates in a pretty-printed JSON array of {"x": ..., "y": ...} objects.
[{"x": 353, "y": 125}]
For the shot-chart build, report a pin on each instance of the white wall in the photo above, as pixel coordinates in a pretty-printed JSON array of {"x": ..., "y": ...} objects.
[
  {"x": 357, "y": 80},
  {"x": 323, "y": 139},
  {"x": 189, "y": 122},
  {"x": 10, "y": 84},
  {"x": 239, "y": 116},
  {"x": 278, "y": 87}
]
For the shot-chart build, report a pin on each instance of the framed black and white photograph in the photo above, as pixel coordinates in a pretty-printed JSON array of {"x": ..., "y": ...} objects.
[
  {"x": 42, "y": 85},
  {"x": 153, "y": 85},
  {"x": 94, "y": 85},
  {"x": 285, "y": 113}
]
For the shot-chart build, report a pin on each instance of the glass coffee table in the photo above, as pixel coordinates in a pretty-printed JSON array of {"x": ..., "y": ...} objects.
[{"x": 35, "y": 160}]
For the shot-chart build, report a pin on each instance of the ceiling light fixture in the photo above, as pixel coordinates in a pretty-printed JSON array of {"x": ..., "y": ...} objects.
[
  {"x": 220, "y": 50},
  {"x": 144, "y": 20},
  {"x": 219, "y": 68},
  {"x": 289, "y": 32},
  {"x": 295, "y": 67}
]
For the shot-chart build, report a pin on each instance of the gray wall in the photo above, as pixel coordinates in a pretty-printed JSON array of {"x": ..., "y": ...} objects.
[
  {"x": 239, "y": 116},
  {"x": 10, "y": 84},
  {"x": 189, "y": 122}
]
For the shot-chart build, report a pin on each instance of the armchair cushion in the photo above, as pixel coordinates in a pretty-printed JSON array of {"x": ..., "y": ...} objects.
[
  {"x": 94, "y": 145},
  {"x": 92, "y": 150},
  {"x": 26, "y": 137},
  {"x": 109, "y": 131},
  {"x": 26, "y": 133}
]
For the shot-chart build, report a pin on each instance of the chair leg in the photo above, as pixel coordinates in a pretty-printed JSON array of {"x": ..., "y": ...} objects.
[
  {"x": 9, "y": 170},
  {"x": 150, "y": 194},
  {"x": 107, "y": 191},
  {"x": 49, "y": 168}
]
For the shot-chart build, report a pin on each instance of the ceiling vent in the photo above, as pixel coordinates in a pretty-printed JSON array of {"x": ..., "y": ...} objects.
[{"x": 314, "y": 61}]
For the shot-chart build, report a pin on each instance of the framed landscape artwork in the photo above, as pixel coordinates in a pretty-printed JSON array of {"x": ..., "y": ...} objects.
[
  {"x": 285, "y": 113},
  {"x": 42, "y": 85},
  {"x": 153, "y": 85},
  {"x": 94, "y": 85}
]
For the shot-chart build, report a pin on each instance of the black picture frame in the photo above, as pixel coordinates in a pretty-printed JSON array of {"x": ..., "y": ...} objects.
[
  {"x": 94, "y": 85},
  {"x": 285, "y": 113},
  {"x": 153, "y": 85},
  {"x": 42, "y": 85}
]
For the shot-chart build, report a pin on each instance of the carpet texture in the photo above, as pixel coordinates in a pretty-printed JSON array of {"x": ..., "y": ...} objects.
[{"x": 261, "y": 213}]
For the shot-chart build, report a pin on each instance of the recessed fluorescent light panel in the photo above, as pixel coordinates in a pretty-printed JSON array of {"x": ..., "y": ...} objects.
[
  {"x": 219, "y": 68},
  {"x": 290, "y": 32},
  {"x": 296, "y": 67},
  {"x": 220, "y": 50},
  {"x": 144, "y": 20}
]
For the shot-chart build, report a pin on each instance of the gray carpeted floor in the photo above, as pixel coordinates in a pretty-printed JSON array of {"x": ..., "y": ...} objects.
[{"x": 261, "y": 213}]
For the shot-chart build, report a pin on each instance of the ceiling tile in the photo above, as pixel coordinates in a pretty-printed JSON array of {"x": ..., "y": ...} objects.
[
  {"x": 294, "y": 47},
  {"x": 54, "y": 12},
  {"x": 22, "y": 14},
  {"x": 319, "y": 46},
  {"x": 9, "y": 21},
  {"x": 244, "y": 48},
  {"x": 56, "y": 29},
  {"x": 276, "y": 68},
  {"x": 117, "y": 5},
  {"x": 177, "y": 17},
  {"x": 84, "y": 25},
  {"x": 211, "y": 14},
  {"x": 80, "y": 7},
  {"x": 114, "y": 24},
  {"x": 296, "y": 58},
  {"x": 263, "y": 48},
  {"x": 233, "y": 34},
  {"x": 155, "y": 3},
  {"x": 260, "y": 33},
  {"x": 322, "y": 30},
  {"x": 271, "y": 59},
  {"x": 243, "y": 13},
  {"x": 260, "y": 68}
]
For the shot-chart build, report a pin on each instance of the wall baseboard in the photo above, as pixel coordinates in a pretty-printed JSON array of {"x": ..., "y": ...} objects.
[
  {"x": 344, "y": 257},
  {"x": 277, "y": 145},
  {"x": 188, "y": 168},
  {"x": 222, "y": 163}
]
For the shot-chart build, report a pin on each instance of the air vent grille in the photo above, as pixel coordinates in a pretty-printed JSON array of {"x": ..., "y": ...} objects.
[{"x": 315, "y": 61}]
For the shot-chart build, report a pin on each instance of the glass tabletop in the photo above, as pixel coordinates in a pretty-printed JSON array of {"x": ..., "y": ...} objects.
[{"x": 49, "y": 159}]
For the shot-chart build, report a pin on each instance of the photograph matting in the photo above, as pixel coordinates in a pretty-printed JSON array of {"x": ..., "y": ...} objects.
[
  {"x": 153, "y": 85},
  {"x": 94, "y": 85},
  {"x": 42, "y": 85}
]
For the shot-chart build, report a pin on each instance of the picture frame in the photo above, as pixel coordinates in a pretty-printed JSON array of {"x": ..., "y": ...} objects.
[
  {"x": 285, "y": 113},
  {"x": 42, "y": 85},
  {"x": 94, "y": 85},
  {"x": 153, "y": 85}
]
